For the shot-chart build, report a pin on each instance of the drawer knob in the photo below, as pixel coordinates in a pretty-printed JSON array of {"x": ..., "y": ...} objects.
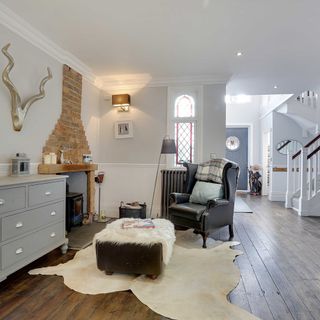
[
  {"x": 53, "y": 234},
  {"x": 48, "y": 193},
  {"x": 2, "y": 202},
  {"x": 53, "y": 213},
  {"x": 19, "y": 224},
  {"x": 19, "y": 251}
]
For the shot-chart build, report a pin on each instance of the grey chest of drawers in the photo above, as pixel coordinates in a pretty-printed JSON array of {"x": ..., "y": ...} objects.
[{"x": 32, "y": 219}]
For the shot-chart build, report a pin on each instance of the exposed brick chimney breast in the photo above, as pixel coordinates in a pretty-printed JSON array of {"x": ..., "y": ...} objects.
[{"x": 69, "y": 133}]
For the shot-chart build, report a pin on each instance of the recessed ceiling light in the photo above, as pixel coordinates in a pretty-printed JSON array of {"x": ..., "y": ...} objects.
[
  {"x": 275, "y": 87},
  {"x": 239, "y": 54},
  {"x": 238, "y": 99}
]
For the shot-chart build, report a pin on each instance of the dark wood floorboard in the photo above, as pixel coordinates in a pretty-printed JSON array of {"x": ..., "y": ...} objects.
[{"x": 280, "y": 275}]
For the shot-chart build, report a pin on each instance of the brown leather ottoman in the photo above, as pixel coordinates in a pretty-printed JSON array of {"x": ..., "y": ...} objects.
[
  {"x": 129, "y": 258},
  {"x": 135, "y": 250}
]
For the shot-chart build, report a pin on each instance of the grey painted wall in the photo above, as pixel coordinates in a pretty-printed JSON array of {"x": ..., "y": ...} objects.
[
  {"x": 90, "y": 115},
  {"x": 149, "y": 115},
  {"x": 214, "y": 120},
  {"x": 148, "y": 111},
  {"x": 30, "y": 67},
  {"x": 244, "y": 115}
]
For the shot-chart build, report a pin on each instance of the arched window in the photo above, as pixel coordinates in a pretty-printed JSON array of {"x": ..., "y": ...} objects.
[
  {"x": 184, "y": 123},
  {"x": 184, "y": 107},
  {"x": 184, "y": 127}
]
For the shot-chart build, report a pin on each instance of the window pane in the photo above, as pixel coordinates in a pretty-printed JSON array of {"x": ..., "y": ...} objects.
[
  {"x": 184, "y": 136},
  {"x": 184, "y": 107}
]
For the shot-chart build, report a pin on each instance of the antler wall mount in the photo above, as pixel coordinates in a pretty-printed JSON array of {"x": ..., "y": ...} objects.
[{"x": 20, "y": 108}]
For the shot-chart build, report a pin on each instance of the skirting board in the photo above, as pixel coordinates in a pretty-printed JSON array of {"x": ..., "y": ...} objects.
[{"x": 277, "y": 196}]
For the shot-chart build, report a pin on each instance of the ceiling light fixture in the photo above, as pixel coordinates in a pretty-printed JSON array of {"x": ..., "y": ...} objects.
[
  {"x": 238, "y": 99},
  {"x": 275, "y": 87},
  {"x": 239, "y": 54}
]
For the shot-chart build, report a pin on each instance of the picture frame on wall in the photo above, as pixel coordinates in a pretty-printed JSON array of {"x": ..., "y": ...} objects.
[{"x": 123, "y": 129}]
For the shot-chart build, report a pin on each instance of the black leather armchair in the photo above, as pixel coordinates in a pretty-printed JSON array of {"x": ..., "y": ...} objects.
[{"x": 205, "y": 218}]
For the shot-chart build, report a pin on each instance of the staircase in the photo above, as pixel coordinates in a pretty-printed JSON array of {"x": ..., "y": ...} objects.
[
  {"x": 303, "y": 179},
  {"x": 303, "y": 109},
  {"x": 303, "y": 164}
]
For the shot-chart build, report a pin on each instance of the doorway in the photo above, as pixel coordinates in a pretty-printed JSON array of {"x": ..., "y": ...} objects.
[{"x": 237, "y": 151}]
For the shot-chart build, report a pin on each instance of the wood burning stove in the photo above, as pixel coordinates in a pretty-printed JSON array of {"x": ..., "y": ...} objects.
[{"x": 74, "y": 210}]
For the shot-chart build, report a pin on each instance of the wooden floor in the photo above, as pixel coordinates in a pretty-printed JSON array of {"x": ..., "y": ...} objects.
[{"x": 280, "y": 275}]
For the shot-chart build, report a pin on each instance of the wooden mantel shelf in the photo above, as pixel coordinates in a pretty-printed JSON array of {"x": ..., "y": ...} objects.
[{"x": 60, "y": 168}]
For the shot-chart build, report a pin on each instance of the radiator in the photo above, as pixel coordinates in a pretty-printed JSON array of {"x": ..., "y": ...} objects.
[{"x": 172, "y": 180}]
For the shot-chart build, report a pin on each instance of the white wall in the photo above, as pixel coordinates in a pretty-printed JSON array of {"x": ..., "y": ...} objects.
[
  {"x": 272, "y": 101},
  {"x": 128, "y": 182},
  {"x": 283, "y": 128}
]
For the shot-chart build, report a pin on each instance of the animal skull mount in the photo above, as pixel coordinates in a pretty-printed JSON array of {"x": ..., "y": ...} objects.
[{"x": 19, "y": 109}]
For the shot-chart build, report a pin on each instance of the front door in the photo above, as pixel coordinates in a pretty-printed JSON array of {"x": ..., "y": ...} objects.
[{"x": 237, "y": 151}]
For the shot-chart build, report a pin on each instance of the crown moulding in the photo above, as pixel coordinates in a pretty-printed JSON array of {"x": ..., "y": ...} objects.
[
  {"x": 15, "y": 23},
  {"x": 119, "y": 83},
  {"x": 114, "y": 83}
]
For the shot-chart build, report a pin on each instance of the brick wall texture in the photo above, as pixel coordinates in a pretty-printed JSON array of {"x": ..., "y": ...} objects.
[{"x": 69, "y": 133}]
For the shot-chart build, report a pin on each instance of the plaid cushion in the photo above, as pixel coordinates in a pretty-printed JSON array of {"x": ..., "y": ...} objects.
[{"x": 211, "y": 170}]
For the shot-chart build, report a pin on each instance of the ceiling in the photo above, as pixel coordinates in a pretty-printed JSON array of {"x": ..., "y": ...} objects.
[{"x": 279, "y": 39}]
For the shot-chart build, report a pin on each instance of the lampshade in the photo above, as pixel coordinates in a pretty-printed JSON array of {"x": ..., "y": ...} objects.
[
  {"x": 121, "y": 100},
  {"x": 168, "y": 146}
]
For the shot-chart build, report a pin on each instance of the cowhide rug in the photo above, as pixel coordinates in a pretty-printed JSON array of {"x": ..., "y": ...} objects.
[{"x": 194, "y": 284}]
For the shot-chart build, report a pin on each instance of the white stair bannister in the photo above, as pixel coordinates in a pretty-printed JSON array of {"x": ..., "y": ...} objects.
[
  {"x": 290, "y": 176},
  {"x": 303, "y": 200},
  {"x": 315, "y": 175},
  {"x": 309, "y": 179}
]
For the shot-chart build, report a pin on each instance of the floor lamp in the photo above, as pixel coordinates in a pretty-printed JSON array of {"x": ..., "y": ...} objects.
[{"x": 168, "y": 147}]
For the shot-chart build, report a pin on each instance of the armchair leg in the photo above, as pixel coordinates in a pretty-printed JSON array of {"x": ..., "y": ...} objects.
[
  {"x": 231, "y": 231},
  {"x": 204, "y": 237}
]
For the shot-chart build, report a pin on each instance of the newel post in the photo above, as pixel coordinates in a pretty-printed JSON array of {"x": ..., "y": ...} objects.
[
  {"x": 317, "y": 107},
  {"x": 303, "y": 200},
  {"x": 290, "y": 190}
]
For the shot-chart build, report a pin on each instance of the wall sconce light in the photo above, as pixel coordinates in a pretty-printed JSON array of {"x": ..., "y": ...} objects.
[{"x": 122, "y": 101}]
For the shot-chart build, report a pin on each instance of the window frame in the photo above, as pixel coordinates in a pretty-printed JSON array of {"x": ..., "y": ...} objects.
[{"x": 196, "y": 92}]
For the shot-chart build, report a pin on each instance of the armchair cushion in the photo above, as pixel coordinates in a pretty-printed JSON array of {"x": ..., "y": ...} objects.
[
  {"x": 188, "y": 210},
  {"x": 205, "y": 191},
  {"x": 211, "y": 170}
]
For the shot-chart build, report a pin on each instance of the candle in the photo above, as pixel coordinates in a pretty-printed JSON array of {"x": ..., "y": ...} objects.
[{"x": 47, "y": 159}]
